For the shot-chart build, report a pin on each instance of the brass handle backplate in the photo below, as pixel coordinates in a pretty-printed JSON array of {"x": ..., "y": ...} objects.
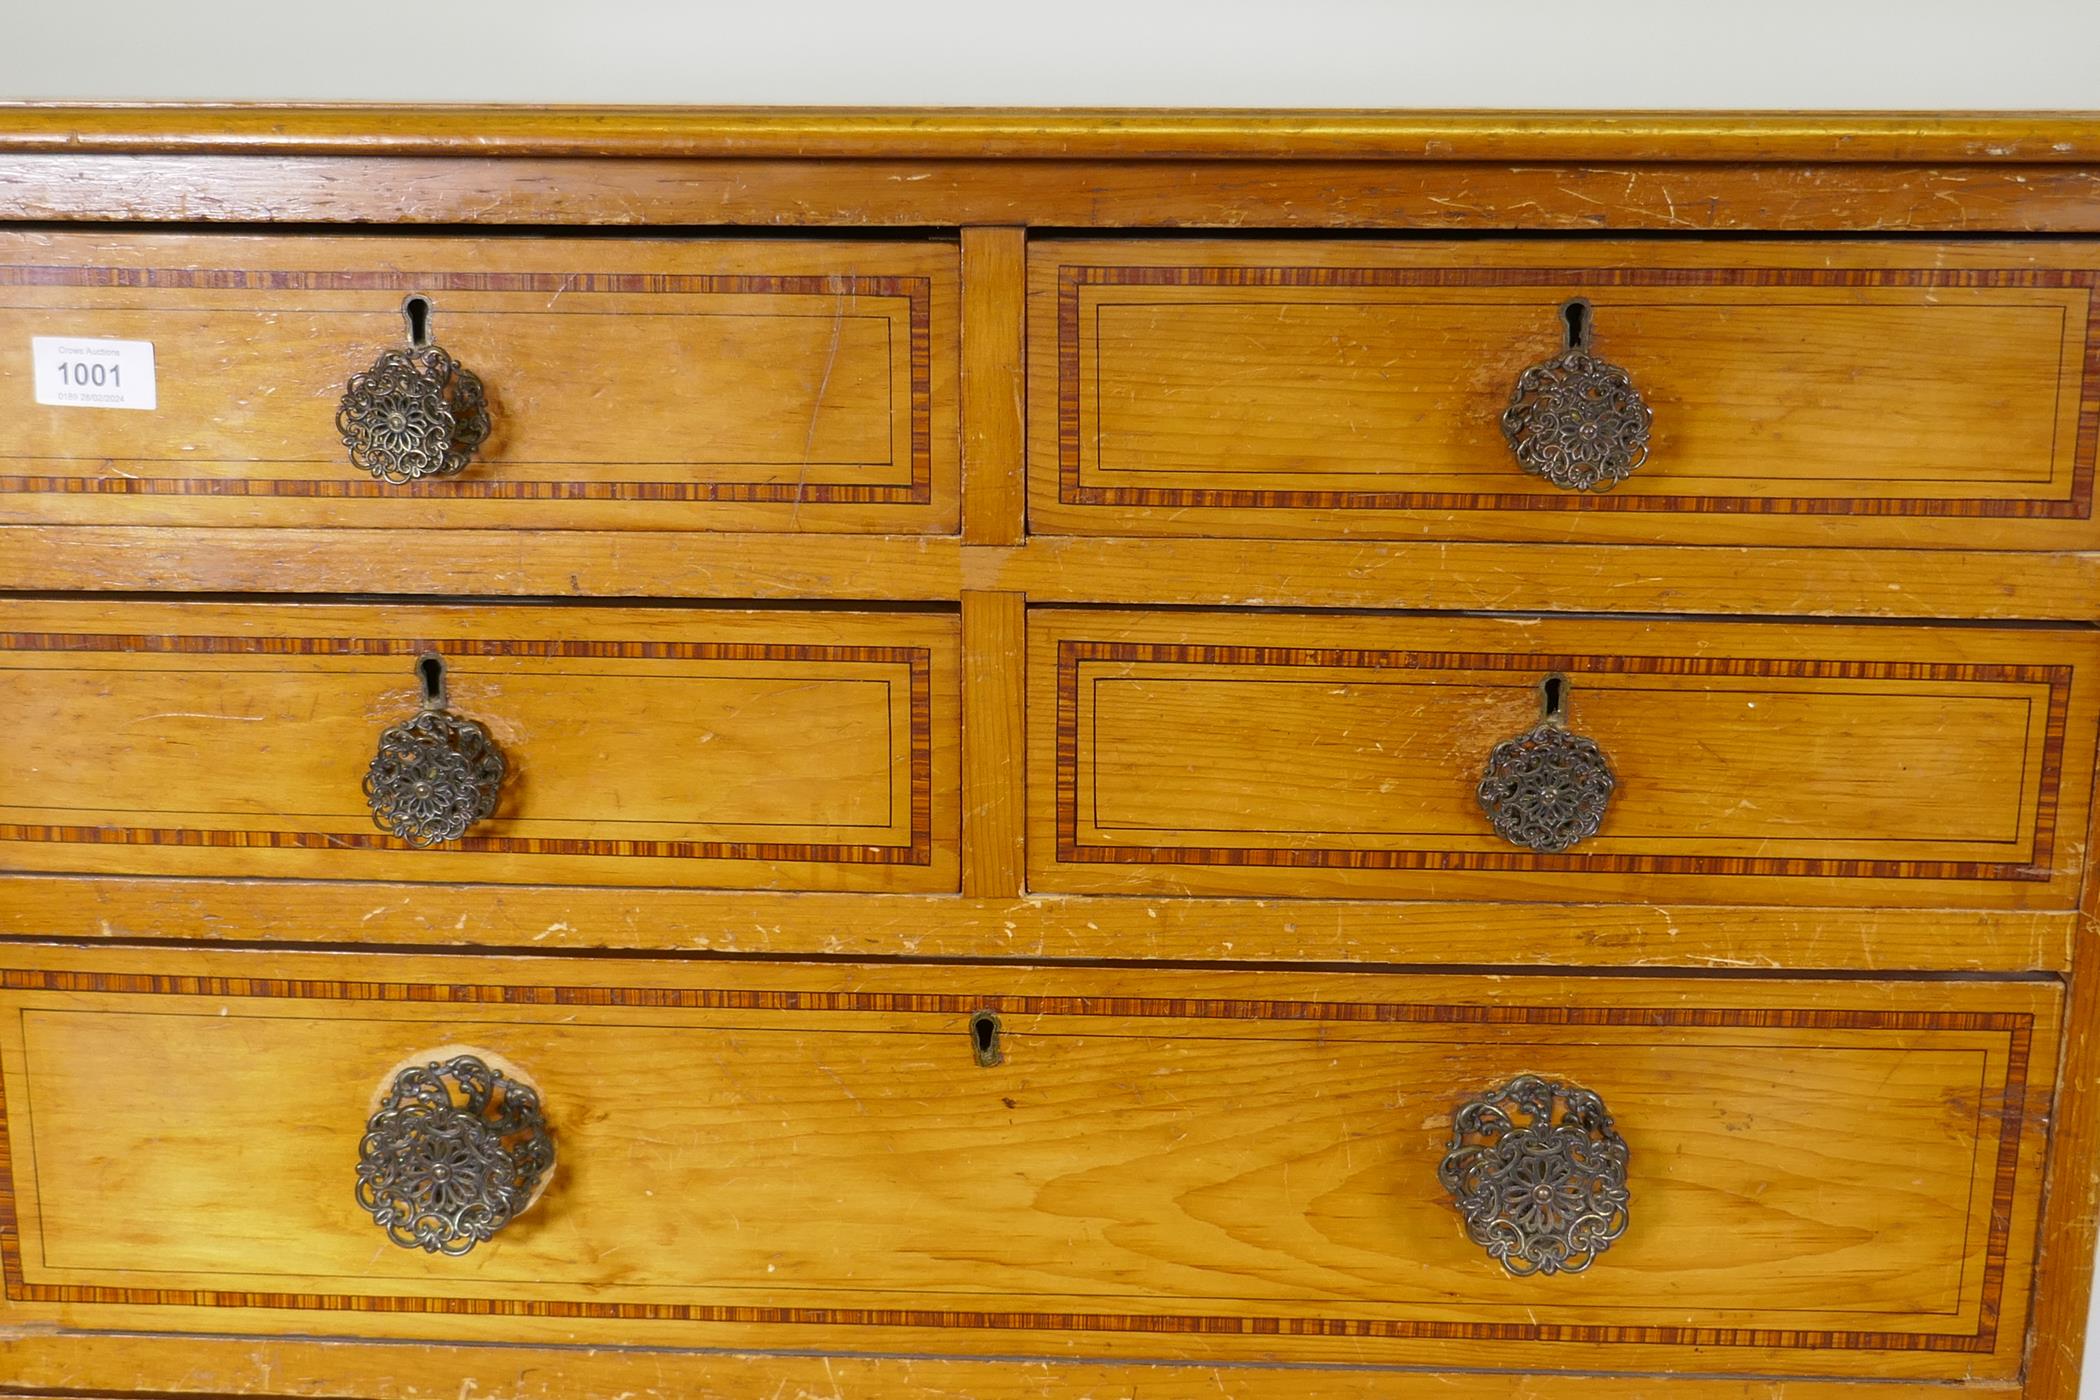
[
  {"x": 416, "y": 412},
  {"x": 435, "y": 774},
  {"x": 1547, "y": 788},
  {"x": 1576, "y": 420},
  {"x": 1539, "y": 1174},
  {"x": 455, "y": 1150}
]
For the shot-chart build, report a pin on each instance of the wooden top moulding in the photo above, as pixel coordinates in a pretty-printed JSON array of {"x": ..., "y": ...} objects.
[
  {"x": 844, "y": 133},
  {"x": 1049, "y": 168}
]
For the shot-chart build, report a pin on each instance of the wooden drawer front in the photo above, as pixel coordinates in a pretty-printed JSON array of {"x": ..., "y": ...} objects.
[
  {"x": 788, "y": 749},
  {"x": 1222, "y": 1164},
  {"x": 1272, "y": 753},
  {"x": 789, "y": 385},
  {"x": 1854, "y": 393}
]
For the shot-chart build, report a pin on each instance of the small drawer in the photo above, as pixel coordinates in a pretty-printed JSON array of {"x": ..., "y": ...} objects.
[
  {"x": 781, "y": 749},
  {"x": 1787, "y": 1176},
  {"x": 1392, "y": 756},
  {"x": 628, "y": 383},
  {"x": 1843, "y": 393}
]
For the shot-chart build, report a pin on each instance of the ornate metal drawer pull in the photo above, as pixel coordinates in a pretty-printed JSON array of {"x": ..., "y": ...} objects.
[
  {"x": 455, "y": 1151},
  {"x": 435, "y": 775},
  {"x": 1577, "y": 420},
  {"x": 1547, "y": 789},
  {"x": 416, "y": 412},
  {"x": 1539, "y": 1174}
]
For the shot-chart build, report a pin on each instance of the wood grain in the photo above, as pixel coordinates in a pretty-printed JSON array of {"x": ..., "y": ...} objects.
[
  {"x": 994, "y": 384},
  {"x": 1165, "y": 1142},
  {"x": 1538, "y": 576},
  {"x": 1039, "y": 928},
  {"x": 2058, "y": 1342},
  {"x": 1865, "y": 765},
  {"x": 1584, "y": 196},
  {"x": 646, "y": 747},
  {"x": 77, "y": 1365},
  {"x": 498, "y": 563},
  {"x": 1530, "y": 577},
  {"x": 995, "y": 684},
  {"x": 692, "y": 384},
  {"x": 491, "y": 132},
  {"x": 1234, "y": 1155},
  {"x": 1866, "y": 392},
  {"x": 2064, "y": 1278}
]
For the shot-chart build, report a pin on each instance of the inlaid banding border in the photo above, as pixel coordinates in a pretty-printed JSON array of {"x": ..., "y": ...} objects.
[
  {"x": 1072, "y": 653},
  {"x": 1071, "y": 278},
  {"x": 919, "y": 851},
  {"x": 2012, "y": 1094},
  {"x": 915, "y": 290}
]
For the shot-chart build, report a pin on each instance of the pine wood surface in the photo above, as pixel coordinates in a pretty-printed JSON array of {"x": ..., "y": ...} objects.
[
  {"x": 2058, "y": 1340},
  {"x": 1578, "y": 196},
  {"x": 1541, "y": 577},
  {"x": 1529, "y": 577},
  {"x": 995, "y": 683},
  {"x": 1768, "y": 763},
  {"x": 1869, "y": 377},
  {"x": 994, "y": 385},
  {"x": 484, "y": 131},
  {"x": 1038, "y": 928},
  {"x": 2064, "y": 1279},
  {"x": 77, "y": 1366},
  {"x": 1860, "y": 392},
  {"x": 1658, "y": 195},
  {"x": 788, "y": 749},
  {"x": 710, "y": 384},
  {"x": 1216, "y": 1145}
]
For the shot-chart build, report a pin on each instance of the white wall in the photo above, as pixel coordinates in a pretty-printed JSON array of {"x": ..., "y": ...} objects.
[
  {"x": 1932, "y": 55},
  {"x": 1929, "y": 54}
]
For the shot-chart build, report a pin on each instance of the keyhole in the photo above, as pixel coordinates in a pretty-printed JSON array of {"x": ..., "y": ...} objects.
[
  {"x": 431, "y": 671},
  {"x": 416, "y": 310},
  {"x": 1575, "y": 316},
  {"x": 984, "y": 1038},
  {"x": 1553, "y": 696}
]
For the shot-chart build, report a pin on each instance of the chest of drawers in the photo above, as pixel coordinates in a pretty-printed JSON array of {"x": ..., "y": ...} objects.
[{"x": 971, "y": 754}]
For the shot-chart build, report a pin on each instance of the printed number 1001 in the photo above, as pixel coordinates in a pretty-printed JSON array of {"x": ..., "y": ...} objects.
[{"x": 82, "y": 375}]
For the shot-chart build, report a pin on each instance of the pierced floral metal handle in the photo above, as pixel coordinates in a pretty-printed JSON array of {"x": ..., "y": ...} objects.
[
  {"x": 1539, "y": 1174},
  {"x": 435, "y": 775},
  {"x": 1576, "y": 420},
  {"x": 454, "y": 1152},
  {"x": 416, "y": 412},
  {"x": 1548, "y": 788}
]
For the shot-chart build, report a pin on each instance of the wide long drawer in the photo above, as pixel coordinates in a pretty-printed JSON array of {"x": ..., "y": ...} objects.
[
  {"x": 791, "y": 384},
  {"x": 1819, "y": 1178},
  {"x": 1855, "y": 393},
  {"x": 1421, "y": 756},
  {"x": 789, "y": 748}
]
